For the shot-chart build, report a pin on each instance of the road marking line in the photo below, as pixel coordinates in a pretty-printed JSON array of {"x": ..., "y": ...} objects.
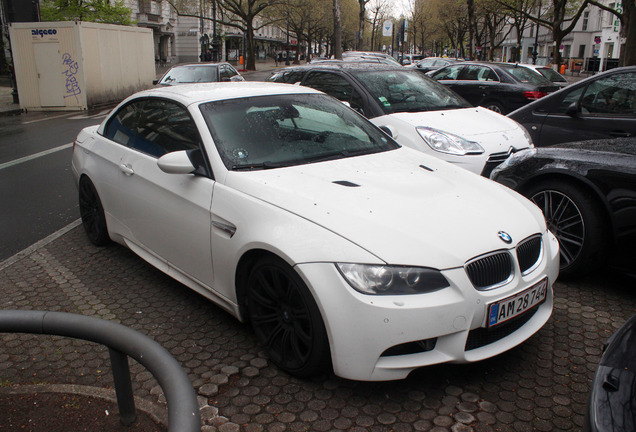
[
  {"x": 35, "y": 246},
  {"x": 34, "y": 156},
  {"x": 49, "y": 118}
]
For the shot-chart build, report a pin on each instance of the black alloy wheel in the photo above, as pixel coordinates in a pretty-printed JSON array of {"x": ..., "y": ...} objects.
[
  {"x": 286, "y": 319},
  {"x": 573, "y": 217},
  {"x": 92, "y": 213}
]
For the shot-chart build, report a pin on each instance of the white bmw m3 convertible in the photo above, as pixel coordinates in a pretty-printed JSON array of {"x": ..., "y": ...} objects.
[{"x": 341, "y": 248}]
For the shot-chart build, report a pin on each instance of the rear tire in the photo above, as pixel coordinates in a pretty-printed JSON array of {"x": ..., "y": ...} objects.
[
  {"x": 575, "y": 218},
  {"x": 92, "y": 213},
  {"x": 286, "y": 319}
]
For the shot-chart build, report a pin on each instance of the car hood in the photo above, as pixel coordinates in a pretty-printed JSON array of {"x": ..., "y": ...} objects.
[
  {"x": 471, "y": 123},
  {"x": 402, "y": 206}
]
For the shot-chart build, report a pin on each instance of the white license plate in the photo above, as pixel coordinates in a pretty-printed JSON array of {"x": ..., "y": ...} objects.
[{"x": 517, "y": 304}]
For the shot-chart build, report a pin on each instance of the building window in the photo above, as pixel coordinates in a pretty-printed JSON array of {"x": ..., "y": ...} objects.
[
  {"x": 566, "y": 51},
  {"x": 581, "y": 51},
  {"x": 586, "y": 18}
]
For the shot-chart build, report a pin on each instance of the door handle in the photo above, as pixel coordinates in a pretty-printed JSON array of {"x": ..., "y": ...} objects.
[{"x": 126, "y": 169}]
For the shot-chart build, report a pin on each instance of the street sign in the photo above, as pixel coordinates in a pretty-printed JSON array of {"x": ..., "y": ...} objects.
[
  {"x": 597, "y": 39},
  {"x": 387, "y": 28}
]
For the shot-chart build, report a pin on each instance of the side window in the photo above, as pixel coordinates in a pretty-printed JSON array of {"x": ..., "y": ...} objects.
[
  {"x": 165, "y": 127},
  {"x": 472, "y": 73},
  {"x": 227, "y": 72},
  {"x": 487, "y": 74},
  {"x": 289, "y": 77},
  {"x": 573, "y": 96},
  {"x": 615, "y": 94},
  {"x": 336, "y": 86},
  {"x": 449, "y": 73},
  {"x": 122, "y": 127}
]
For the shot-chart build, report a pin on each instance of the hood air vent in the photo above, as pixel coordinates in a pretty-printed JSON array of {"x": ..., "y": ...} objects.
[{"x": 346, "y": 183}]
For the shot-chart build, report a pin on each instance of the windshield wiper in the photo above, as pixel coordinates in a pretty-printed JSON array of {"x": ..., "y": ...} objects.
[{"x": 258, "y": 166}]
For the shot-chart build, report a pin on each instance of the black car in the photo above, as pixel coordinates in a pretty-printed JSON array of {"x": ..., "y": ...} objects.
[
  {"x": 501, "y": 87},
  {"x": 587, "y": 192},
  {"x": 433, "y": 63},
  {"x": 612, "y": 405},
  {"x": 199, "y": 72},
  {"x": 601, "y": 106}
]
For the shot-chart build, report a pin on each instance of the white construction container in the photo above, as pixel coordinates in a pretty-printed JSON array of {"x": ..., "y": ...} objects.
[{"x": 75, "y": 65}]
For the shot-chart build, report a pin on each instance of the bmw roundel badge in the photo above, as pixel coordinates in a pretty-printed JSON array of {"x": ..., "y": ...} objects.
[{"x": 505, "y": 237}]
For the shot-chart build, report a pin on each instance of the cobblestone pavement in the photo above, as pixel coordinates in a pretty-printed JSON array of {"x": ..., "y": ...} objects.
[{"x": 541, "y": 385}]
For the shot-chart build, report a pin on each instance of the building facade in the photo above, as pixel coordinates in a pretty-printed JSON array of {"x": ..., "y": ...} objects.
[{"x": 593, "y": 45}]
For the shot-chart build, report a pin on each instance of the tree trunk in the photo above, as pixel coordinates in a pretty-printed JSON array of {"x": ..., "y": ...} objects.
[
  {"x": 629, "y": 27},
  {"x": 471, "y": 28},
  {"x": 337, "y": 30},
  {"x": 250, "y": 61}
]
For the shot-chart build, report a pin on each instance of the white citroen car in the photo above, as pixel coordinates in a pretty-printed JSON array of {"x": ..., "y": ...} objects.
[
  {"x": 292, "y": 212},
  {"x": 417, "y": 112}
]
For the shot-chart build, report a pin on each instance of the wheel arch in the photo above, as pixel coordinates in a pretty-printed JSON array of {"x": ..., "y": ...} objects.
[{"x": 576, "y": 180}]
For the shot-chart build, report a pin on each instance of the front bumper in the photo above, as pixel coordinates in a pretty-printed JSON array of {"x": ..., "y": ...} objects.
[{"x": 366, "y": 333}]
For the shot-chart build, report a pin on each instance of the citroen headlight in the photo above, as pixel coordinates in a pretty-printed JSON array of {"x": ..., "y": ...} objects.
[
  {"x": 392, "y": 280},
  {"x": 446, "y": 142}
]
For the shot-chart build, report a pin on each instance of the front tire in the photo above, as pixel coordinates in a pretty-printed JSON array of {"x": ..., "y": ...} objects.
[
  {"x": 576, "y": 220},
  {"x": 92, "y": 213},
  {"x": 286, "y": 319}
]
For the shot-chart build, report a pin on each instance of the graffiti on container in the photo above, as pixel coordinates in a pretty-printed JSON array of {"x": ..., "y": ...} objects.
[{"x": 70, "y": 72}]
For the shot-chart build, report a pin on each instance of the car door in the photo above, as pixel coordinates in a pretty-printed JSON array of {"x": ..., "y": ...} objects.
[
  {"x": 479, "y": 84},
  {"x": 448, "y": 76},
  {"x": 604, "y": 108},
  {"x": 338, "y": 86},
  {"x": 167, "y": 215}
]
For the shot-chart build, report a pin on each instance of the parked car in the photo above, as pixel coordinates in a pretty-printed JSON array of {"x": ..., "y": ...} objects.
[
  {"x": 587, "y": 191},
  {"x": 501, "y": 87},
  {"x": 409, "y": 59},
  {"x": 601, "y": 106},
  {"x": 371, "y": 57},
  {"x": 291, "y": 211},
  {"x": 433, "y": 63},
  {"x": 548, "y": 73},
  {"x": 417, "y": 111},
  {"x": 612, "y": 404},
  {"x": 199, "y": 73}
]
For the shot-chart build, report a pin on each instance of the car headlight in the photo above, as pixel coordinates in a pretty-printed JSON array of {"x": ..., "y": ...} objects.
[
  {"x": 446, "y": 142},
  {"x": 392, "y": 280}
]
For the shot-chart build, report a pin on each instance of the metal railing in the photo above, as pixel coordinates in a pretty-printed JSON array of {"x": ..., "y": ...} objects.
[{"x": 122, "y": 342}]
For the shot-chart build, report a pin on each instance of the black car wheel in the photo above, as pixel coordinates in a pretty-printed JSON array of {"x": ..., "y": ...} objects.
[
  {"x": 495, "y": 106},
  {"x": 286, "y": 319},
  {"x": 575, "y": 219},
  {"x": 92, "y": 213}
]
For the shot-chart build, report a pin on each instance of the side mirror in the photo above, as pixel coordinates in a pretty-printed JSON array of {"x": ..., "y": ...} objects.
[
  {"x": 176, "y": 163},
  {"x": 155, "y": 82},
  {"x": 390, "y": 131},
  {"x": 574, "y": 109}
]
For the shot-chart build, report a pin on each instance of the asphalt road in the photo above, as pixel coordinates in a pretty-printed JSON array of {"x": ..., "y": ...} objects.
[{"x": 36, "y": 185}]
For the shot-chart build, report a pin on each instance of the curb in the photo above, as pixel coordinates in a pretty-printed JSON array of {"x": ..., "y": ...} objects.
[{"x": 155, "y": 411}]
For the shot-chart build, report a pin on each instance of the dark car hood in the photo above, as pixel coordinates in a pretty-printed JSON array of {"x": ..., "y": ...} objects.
[{"x": 626, "y": 146}]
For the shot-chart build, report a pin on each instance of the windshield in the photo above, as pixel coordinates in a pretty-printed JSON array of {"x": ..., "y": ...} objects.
[
  {"x": 525, "y": 75},
  {"x": 274, "y": 131},
  {"x": 409, "y": 91},
  {"x": 189, "y": 74}
]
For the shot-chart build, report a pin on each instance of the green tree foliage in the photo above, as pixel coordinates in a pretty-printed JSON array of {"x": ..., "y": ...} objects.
[{"x": 101, "y": 11}]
